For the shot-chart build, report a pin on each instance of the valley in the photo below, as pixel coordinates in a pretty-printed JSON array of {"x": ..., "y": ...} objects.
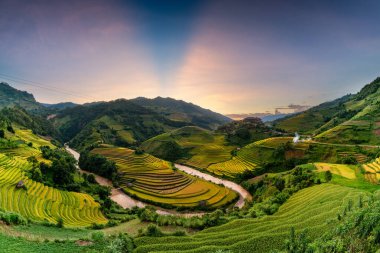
[
  {"x": 177, "y": 186},
  {"x": 189, "y": 126}
]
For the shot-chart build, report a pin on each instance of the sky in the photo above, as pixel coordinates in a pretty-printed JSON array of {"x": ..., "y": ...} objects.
[{"x": 231, "y": 56}]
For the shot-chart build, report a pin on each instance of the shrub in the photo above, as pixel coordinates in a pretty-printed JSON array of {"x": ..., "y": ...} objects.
[
  {"x": 2, "y": 133},
  {"x": 121, "y": 244},
  {"x": 179, "y": 233},
  {"x": 97, "y": 236},
  {"x": 139, "y": 151},
  {"x": 328, "y": 176},
  {"x": 97, "y": 226},
  {"x": 10, "y": 129},
  {"x": 153, "y": 231},
  {"x": 60, "y": 223},
  {"x": 11, "y": 218},
  {"x": 91, "y": 178}
]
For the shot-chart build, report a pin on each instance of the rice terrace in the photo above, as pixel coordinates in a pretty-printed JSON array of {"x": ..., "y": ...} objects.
[{"x": 194, "y": 126}]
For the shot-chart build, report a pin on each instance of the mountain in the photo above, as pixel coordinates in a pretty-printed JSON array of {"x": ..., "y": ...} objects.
[
  {"x": 351, "y": 119},
  {"x": 21, "y": 118},
  {"x": 272, "y": 117},
  {"x": 179, "y": 110},
  {"x": 60, "y": 106},
  {"x": 243, "y": 132},
  {"x": 10, "y": 97},
  {"x": 191, "y": 145},
  {"x": 120, "y": 122}
]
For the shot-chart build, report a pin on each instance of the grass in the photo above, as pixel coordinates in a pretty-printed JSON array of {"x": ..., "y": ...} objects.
[
  {"x": 154, "y": 180},
  {"x": 37, "y": 232},
  {"x": 20, "y": 245},
  {"x": 315, "y": 208}
]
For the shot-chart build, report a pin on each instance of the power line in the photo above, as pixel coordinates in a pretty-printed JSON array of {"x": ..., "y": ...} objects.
[{"x": 43, "y": 86}]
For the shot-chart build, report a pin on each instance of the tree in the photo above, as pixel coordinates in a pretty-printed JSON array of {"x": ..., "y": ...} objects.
[
  {"x": 298, "y": 243},
  {"x": 60, "y": 223},
  {"x": 328, "y": 176},
  {"x": 2, "y": 134},
  {"x": 62, "y": 172},
  {"x": 36, "y": 174},
  {"x": 10, "y": 129}
]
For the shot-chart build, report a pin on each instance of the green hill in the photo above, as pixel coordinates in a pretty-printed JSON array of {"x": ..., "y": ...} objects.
[
  {"x": 119, "y": 122},
  {"x": 129, "y": 122},
  {"x": 352, "y": 119},
  {"x": 248, "y": 130},
  {"x": 179, "y": 110},
  {"x": 10, "y": 97},
  {"x": 193, "y": 146},
  {"x": 310, "y": 208},
  {"x": 35, "y": 200}
]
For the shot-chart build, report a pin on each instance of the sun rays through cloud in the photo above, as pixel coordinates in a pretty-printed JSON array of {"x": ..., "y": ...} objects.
[{"x": 245, "y": 57}]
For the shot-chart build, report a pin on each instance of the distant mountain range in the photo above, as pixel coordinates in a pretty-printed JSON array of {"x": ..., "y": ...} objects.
[
  {"x": 122, "y": 122},
  {"x": 60, "y": 106},
  {"x": 129, "y": 122},
  {"x": 265, "y": 117},
  {"x": 351, "y": 119}
]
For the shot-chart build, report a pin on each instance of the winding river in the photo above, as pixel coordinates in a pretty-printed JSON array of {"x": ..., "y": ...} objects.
[{"x": 125, "y": 201}]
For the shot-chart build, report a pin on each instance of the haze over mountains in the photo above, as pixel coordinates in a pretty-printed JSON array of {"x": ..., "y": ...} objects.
[{"x": 129, "y": 122}]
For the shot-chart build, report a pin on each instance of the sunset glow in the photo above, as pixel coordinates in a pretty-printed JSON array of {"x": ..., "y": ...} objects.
[{"x": 228, "y": 57}]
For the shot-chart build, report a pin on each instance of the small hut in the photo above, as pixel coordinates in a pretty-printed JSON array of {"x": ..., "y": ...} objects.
[{"x": 20, "y": 184}]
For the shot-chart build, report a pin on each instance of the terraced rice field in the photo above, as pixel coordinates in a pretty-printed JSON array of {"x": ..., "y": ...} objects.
[
  {"x": 360, "y": 158},
  {"x": 309, "y": 208},
  {"x": 42, "y": 203},
  {"x": 372, "y": 171},
  {"x": 204, "y": 147},
  {"x": 338, "y": 169},
  {"x": 274, "y": 142},
  {"x": 154, "y": 180},
  {"x": 232, "y": 167},
  {"x": 27, "y": 136},
  {"x": 248, "y": 158}
]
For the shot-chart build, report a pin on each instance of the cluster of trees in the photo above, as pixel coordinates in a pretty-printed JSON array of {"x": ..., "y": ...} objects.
[
  {"x": 272, "y": 192},
  {"x": 98, "y": 164},
  {"x": 246, "y": 131},
  {"x": 11, "y": 218},
  {"x": 148, "y": 214},
  {"x": 8, "y": 127},
  {"x": 60, "y": 173}
]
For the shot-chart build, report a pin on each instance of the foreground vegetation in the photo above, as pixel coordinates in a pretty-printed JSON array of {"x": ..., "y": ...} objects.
[{"x": 316, "y": 207}]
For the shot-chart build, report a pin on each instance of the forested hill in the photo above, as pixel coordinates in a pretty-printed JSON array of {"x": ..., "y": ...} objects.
[
  {"x": 129, "y": 122},
  {"x": 352, "y": 119},
  {"x": 119, "y": 122},
  {"x": 10, "y": 97},
  {"x": 179, "y": 110}
]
